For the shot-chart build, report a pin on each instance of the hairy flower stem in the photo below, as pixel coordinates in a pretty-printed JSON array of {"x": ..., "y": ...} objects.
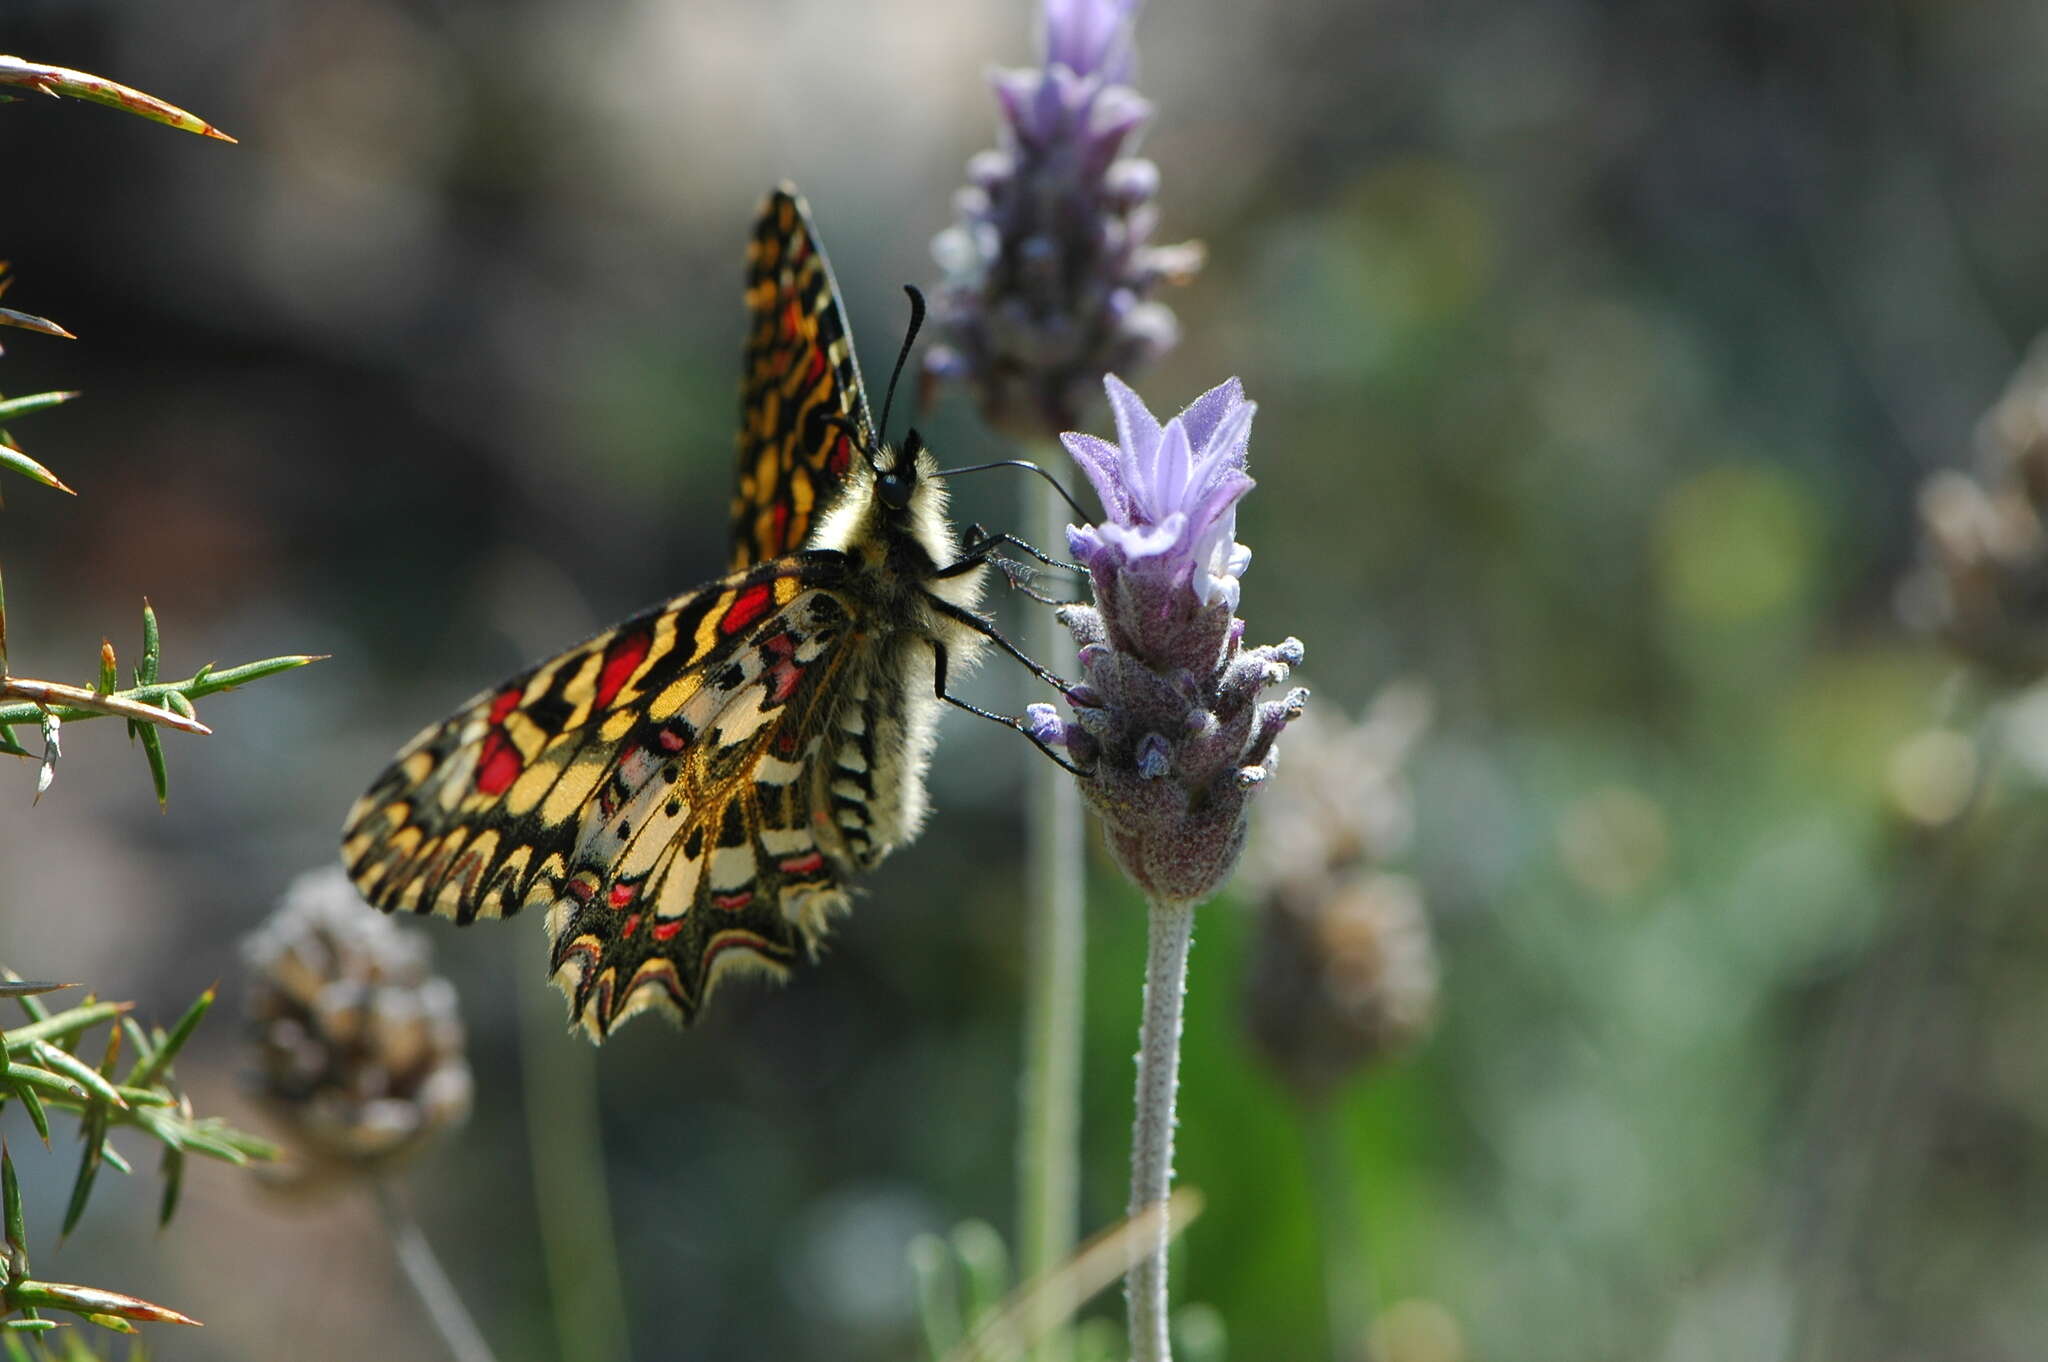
[
  {"x": 560, "y": 1081},
  {"x": 1348, "y": 1289},
  {"x": 1171, "y": 927},
  {"x": 423, "y": 1273},
  {"x": 1048, "y": 1156}
]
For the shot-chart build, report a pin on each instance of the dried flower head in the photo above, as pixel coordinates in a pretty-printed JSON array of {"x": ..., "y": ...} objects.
[
  {"x": 1344, "y": 973},
  {"x": 1168, "y": 725},
  {"x": 1343, "y": 980},
  {"x": 1049, "y": 269},
  {"x": 1982, "y": 582},
  {"x": 359, "y": 1045}
]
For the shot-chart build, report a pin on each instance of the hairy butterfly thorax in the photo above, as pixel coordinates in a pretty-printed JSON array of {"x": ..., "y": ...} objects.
[{"x": 686, "y": 794}]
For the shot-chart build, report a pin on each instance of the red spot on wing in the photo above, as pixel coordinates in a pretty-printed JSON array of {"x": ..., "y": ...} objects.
[
  {"x": 747, "y": 607},
  {"x": 498, "y": 765},
  {"x": 816, "y": 369},
  {"x": 732, "y": 903},
  {"x": 803, "y": 865},
  {"x": 664, "y": 930},
  {"x": 785, "y": 746},
  {"x": 505, "y": 703},
  {"x": 632, "y": 926},
  {"x": 780, "y": 518},
  {"x": 792, "y": 320},
  {"x": 783, "y": 681},
  {"x": 842, "y": 456},
  {"x": 581, "y": 887},
  {"x": 625, "y": 654},
  {"x": 670, "y": 740},
  {"x": 622, "y": 894}
]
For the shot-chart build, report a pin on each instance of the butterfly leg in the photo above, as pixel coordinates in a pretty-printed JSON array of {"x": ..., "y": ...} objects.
[
  {"x": 939, "y": 690},
  {"x": 995, "y": 636},
  {"x": 980, "y": 546}
]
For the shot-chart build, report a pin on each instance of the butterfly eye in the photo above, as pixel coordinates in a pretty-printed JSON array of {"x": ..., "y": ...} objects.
[{"x": 894, "y": 489}]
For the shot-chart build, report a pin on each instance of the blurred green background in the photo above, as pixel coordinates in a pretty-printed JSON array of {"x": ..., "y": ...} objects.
[{"x": 1599, "y": 349}]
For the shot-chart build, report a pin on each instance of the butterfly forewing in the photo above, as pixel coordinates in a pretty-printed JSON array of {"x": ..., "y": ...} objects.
[
  {"x": 799, "y": 381},
  {"x": 650, "y": 791}
]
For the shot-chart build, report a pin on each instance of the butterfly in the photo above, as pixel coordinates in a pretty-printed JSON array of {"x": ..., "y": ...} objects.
[{"x": 686, "y": 795}]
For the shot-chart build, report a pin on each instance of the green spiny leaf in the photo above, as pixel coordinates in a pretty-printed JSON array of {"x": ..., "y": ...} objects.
[
  {"x": 69, "y": 1022},
  {"x": 21, "y": 463},
  {"x": 58, "y": 80},
  {"x": 160, "y": 1059},
  {"x": 22, "y": 988},
  {"x": 152, "y": 644},
  {"x": 94, "y": 1133},
  {"x": 16, "y": 1226},
  {"x": 159, "y": 777},
  {"x": 14, "y": 407},
  {"x": 33, "y": 1104},
  {"x": 79, "y": 1072},
  {"x": 91, "y": 1301},
  {"x": 174, "y": 1183}
]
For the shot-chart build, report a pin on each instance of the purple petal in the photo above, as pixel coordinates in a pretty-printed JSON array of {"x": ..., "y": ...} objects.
[
  {"x": 1224, "y": 453},
  {"x": 1090, "y": 36},
  {"x": 1043, "y": 722},
  {"x": 1170, "y": 474},
  {"x": 1140, "y": 542},
  {"x": 1014, "y": 89},
  {"x": 1206, "y": 412},
  {"x": 1100, "y": 460}
]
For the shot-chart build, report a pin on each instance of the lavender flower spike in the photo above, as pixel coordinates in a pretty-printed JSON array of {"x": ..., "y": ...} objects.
[
  {"x": 1168, "y": 724},
  {"x": 1049, "y": 269}
]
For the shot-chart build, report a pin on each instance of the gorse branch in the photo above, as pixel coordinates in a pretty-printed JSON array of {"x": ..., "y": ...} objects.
[
  {"x": 42, "y": 1069},
  {"x": 150, "y": 703}
]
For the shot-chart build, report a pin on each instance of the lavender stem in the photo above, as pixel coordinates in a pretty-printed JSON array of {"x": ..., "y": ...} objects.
[
  {"x": 1048, "y": 1166},
  {"x": 1171, "y": 928}
]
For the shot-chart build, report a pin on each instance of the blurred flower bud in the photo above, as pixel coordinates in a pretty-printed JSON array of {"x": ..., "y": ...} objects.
[
  {"x": 1343, "y": 980},
  {"x": 1982, "y": 581},
  {"x": 359, "y": 1045},
  {"x": 1344, "y": 973},
  {"x": 1050, "y": 264}
]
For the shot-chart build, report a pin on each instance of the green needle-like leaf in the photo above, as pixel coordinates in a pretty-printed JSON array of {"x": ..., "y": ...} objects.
[
  {"x": 16, "y": 1227},
  {"x": 33, "y": 1104},
  {"x": 26, "y": 1078},
  {"x": 58, "y": 80},
  {"x": 95, "y": 1135},
  {"x": 174, "y": 1183},
  {"x": 152, "y": 644},
  {"x": 159, "y": 777},
  {"x": 159, "y": 1060},
  {"x": 110, "y": 673},
  {"x": 69, "y": 1022},
  {"x": 14, "y": 407},
  {"x": 9, "y": 317},
  {"x": 22, "y": 988},
  {"x": 91, "y": 1301},
  {"x": 79, "y": 1072},
  {"x": 21, "y": 463}
]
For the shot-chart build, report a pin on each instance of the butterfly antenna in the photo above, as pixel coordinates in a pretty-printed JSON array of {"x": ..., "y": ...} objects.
[
  {"x": 1065, "y": 495},
  {"x": 909, "y": 339}
]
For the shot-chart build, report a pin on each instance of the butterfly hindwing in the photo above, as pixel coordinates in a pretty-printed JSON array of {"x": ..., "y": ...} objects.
[
  {"x": 799, "y": 378},
  {"x": 650, "y": 791}
]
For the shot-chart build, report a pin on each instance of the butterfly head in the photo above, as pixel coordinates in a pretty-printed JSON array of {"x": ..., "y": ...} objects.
[{"x": 896, "y": 484}]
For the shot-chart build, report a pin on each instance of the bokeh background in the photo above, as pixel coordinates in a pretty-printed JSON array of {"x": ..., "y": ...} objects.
[{"x": 1599, "y": 350}]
